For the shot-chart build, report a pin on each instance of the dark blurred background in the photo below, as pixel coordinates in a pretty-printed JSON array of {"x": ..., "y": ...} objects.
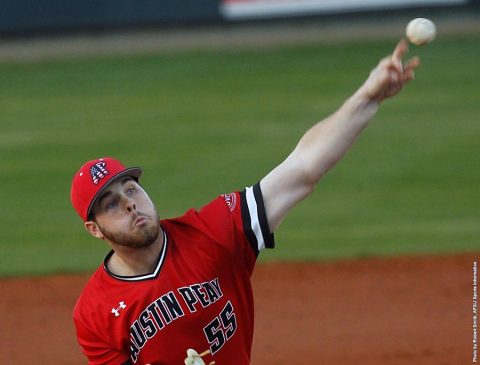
[{"x": 34, "y": 17}]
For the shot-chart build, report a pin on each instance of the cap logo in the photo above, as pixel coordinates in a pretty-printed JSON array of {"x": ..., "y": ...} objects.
[{"x": 98, "y": 172}]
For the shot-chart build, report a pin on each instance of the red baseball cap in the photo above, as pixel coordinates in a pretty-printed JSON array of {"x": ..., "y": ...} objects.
[{"x": 92, "y": 178}]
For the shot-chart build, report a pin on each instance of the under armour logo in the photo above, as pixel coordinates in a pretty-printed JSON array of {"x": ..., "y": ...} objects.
[{"x": 121, "y": 305}]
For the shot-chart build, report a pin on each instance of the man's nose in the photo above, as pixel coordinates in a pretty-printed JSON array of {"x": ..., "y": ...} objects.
[{"x": 130, "y": 205}]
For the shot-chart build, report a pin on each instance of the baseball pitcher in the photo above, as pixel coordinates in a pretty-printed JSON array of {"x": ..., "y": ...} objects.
[{"x": 172, "y": 285}]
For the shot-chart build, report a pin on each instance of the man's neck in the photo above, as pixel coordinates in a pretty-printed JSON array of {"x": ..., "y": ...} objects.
[{"x": 128, "y": 261}]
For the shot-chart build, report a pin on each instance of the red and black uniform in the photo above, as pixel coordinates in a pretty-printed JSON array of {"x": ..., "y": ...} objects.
[{"x": 199, "y": 295}]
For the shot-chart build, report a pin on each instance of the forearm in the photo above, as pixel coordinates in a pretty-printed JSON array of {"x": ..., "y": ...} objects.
[
  {"x": 320, "y": 148},
  {"x": 323, "y": 145}
]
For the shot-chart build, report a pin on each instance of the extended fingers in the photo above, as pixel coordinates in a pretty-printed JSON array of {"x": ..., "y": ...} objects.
[
  {"x": 392, "y": 71},
  {"x": 398, "y": 53},
  {"x": 390, "y": 75},
  {"x": 409, "y": 68},
  {"x": 401, "y": 72},
  {"x": 412, "y": 63},
  {"x": 400, "y": 50}
]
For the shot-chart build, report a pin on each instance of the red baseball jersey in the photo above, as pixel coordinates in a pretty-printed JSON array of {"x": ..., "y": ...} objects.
[{"x": 199, "y": 295}]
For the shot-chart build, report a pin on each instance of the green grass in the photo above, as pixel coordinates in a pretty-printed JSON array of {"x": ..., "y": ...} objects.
[{"x": 205, "y": 123}]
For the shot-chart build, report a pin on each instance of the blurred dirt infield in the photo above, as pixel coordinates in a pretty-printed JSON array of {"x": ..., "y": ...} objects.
[{"x": 409, "y": 310}]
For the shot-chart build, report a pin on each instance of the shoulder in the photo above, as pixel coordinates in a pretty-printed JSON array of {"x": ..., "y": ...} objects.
[
  {"x": 217, "y": 210},
  {"x": 232, "y": 217}
]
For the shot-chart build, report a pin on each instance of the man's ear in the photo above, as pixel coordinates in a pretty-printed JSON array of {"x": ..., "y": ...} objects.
[{"x": 94, "y": 229}]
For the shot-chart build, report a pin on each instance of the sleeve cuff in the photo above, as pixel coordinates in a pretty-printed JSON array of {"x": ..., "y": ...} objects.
[{"x": 254, "y": 217}]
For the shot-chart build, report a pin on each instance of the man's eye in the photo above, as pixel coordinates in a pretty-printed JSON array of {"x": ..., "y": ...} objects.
[
  {"x": 131, "y": 190},
  {"x": 111, "y": 204}
]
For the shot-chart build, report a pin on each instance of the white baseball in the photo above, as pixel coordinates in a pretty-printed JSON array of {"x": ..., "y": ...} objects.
[{"x": 421, "y": 31}]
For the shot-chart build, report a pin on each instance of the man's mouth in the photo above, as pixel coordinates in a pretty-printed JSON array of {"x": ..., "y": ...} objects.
[{"x": 140, "y": 221}]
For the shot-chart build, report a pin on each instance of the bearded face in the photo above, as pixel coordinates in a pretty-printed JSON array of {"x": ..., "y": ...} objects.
[{"x": 124, "y": 215}]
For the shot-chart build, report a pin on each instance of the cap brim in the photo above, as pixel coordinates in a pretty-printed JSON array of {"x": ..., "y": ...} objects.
[{"x": 134, "y": 172}]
